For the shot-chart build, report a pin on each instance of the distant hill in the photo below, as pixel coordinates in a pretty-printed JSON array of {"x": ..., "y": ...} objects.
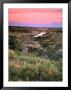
[{"x": 34, "y": 28}]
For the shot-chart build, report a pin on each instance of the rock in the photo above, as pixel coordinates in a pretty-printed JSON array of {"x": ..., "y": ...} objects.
[{"x": 25, "y": 50}]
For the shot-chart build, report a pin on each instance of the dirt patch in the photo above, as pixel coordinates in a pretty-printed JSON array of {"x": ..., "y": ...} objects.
[{"x": 16, "y": 64}]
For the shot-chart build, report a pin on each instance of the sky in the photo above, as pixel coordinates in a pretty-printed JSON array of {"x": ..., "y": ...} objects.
[{"x": 35, "y": 17}]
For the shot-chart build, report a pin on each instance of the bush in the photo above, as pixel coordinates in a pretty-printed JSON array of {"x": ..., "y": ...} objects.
[{"x": 13, "y": 43}]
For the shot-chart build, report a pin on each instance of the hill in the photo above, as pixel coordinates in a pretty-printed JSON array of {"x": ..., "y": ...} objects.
[{"x": 35, "y": 54}]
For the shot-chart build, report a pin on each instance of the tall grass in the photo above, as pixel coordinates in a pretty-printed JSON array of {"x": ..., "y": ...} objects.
[{"x": 35, "y": 68}]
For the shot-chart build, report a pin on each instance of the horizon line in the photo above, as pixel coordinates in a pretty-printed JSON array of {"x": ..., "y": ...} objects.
[{"x": 32, "y": 26}]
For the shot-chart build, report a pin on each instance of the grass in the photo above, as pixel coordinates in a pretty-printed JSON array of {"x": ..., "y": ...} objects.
[{"x": 29, "y": 67}]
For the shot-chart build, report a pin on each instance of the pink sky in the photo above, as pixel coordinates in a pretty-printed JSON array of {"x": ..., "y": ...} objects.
[{"x": 34, "y": 16}]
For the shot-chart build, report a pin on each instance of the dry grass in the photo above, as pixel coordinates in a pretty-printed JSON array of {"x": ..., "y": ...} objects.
[{"x": 29, "y": 67}]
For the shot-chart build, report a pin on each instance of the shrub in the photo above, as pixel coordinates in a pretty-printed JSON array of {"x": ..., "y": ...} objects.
[{"x": 13, "y": 43}]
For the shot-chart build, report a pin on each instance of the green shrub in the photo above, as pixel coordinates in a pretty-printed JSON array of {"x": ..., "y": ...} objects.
[{"x": 13, "y": 43}]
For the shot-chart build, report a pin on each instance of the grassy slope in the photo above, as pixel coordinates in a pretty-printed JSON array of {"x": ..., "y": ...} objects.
[{"x": 29, "y": 67}]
